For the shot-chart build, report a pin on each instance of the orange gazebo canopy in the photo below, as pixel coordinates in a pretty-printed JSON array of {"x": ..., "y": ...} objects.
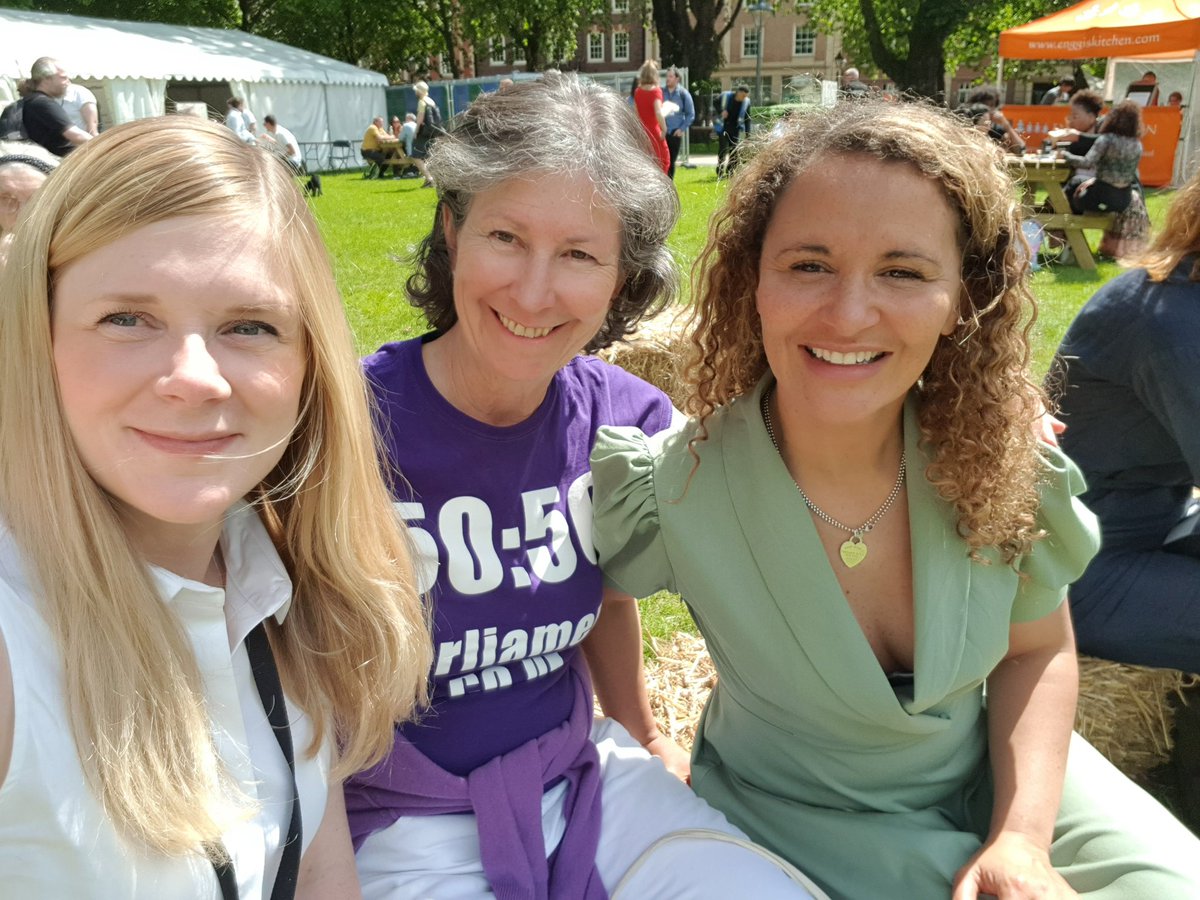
[{"x": 1107, "y": 28}]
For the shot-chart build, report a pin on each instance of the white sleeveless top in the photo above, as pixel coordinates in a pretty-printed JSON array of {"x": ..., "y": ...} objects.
[{"x": 55, "y": 839}]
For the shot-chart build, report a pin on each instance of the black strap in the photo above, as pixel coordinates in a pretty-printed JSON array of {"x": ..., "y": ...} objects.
[{"x": 270, "y": 691}]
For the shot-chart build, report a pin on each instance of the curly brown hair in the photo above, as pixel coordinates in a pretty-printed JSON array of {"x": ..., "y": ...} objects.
[
  {"x": 976, "y": 401},
  {"x": 1124, "y": 119}
]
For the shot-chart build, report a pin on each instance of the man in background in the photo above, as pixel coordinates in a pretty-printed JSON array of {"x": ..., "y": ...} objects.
[
  {"x": 1060, "y": 93},
  {"x": 852, "y": 85},
  {"x": 378, "y": 146},
  {"x": 680, "y": 119},
  {"x": 735, "y": 121},
  {"x": 283, "y": 142},
  {"x": 80, "y": 106},
  {"x": 20, "y": 177},
  {"x": 45, "y": 121}
]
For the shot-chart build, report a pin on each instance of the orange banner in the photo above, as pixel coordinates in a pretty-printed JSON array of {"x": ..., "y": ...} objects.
[{"x": 1162, "y": 126}]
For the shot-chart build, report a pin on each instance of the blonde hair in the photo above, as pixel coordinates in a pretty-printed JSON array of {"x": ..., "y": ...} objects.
[
  {"x": 648, "y": 73},
  {"x": 354, "y": 647},
  {"x": 1178, "y": 237},
  {"x": 976, "y": 402}
]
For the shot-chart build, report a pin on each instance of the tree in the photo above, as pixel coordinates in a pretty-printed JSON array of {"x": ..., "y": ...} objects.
[
  {"x": 205, "y": 13},
  {"x": 914, "y": 41},
  {"x": 690, "y": 32}
]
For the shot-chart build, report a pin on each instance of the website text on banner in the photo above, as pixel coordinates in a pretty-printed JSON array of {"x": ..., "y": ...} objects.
[{"x": 1162, "y": 124}]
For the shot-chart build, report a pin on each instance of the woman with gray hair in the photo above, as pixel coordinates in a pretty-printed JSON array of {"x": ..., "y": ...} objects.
[{"x": 549, "y": 241}]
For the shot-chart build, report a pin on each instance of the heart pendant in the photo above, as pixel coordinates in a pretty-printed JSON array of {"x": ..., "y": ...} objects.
[{"x": 853, "y": 552}]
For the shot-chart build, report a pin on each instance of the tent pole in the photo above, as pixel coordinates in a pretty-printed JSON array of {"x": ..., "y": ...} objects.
[{"x": 1000, "y": 75}]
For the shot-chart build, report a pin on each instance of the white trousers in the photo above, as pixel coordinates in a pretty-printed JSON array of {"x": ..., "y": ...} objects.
[{"x": 437, "y": 857}]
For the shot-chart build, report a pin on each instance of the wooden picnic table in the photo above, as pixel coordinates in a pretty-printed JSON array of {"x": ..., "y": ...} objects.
[{"x": 1050, "y": 174}]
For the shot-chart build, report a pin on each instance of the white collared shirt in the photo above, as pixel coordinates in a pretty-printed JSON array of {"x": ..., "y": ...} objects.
[{"x": 55, "y": 839}]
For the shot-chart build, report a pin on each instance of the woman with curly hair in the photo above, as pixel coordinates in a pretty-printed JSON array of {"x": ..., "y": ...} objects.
[
  {"x": 868, "y": 531},
  {"x": 1114, "y": 158}
]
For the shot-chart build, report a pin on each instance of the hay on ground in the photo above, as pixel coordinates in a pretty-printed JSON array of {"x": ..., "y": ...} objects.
[
  {"x": 657, "y": 353},
  {"x": 1125, "y": 711}
]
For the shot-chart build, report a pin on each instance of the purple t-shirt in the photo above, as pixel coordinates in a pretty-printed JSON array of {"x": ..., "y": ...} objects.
[{"x": 502, "y": 520}]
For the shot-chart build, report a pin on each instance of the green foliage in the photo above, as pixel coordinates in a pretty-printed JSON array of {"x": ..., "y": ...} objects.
[
  {"x": 205, "y": 13},
  {"x": 690, "y": 32},
  {"x": 915, "y": 42}
]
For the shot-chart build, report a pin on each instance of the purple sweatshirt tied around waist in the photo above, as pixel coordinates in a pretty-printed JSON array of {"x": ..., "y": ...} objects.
[{"x": 505, "y": 794}]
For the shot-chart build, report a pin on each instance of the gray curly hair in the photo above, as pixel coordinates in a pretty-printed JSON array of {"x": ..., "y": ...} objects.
[{"x": 555, "y": 125}]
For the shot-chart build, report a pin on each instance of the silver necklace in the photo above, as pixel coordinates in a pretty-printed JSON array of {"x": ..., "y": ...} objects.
[{"x": 854, "y": 549}]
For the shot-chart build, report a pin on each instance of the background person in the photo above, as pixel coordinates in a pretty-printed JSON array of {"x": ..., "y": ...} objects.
[
  {"x": 1061, "y": 92},
  {"x": 20, "y": 177},
  {"x": 648, "y": 100},
  {"x": 1130, "y": 397},
  {"x": 1001, "y": 130},
  {"x": 735, "y": 124},
  {"x": 283, "y": 143},
  {"x": 856, "y": 521},
  {"x": 549, "y": 240},
  {"x": 429, "y": 126},
  {"x": 378, "y": 146},
  {"x": 79, "y": 104},
  {"x": 207, "y": 609},
  {"x": 680, "y": 119},
  {"x": 44, "y": 120},
  {"x": 237, "y": 121},
  {"x": 1114, "y": 157}
]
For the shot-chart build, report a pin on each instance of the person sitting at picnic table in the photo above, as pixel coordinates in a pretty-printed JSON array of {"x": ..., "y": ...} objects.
[
  {"x": 1130, "y": 397},
  {"x": 1001, "y": 130},
  {"x": 868, "y": 530},
  {"x": 549, "y": 239},
  {"x": 1083, "y": 127},
  {"x": 378, "y": 147},
  {"x": 208, "y": 612},
  {"x": 1114, "y": 157}
]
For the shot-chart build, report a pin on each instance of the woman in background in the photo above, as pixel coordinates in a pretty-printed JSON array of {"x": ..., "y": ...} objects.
[
  {"x": 648, "y": 100},
  {"x": 207, "y": 615},
  {"x": 1114, "y": 157}
]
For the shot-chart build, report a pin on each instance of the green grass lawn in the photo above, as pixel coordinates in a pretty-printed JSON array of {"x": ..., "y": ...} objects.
[{"x": 373, "y": 227}]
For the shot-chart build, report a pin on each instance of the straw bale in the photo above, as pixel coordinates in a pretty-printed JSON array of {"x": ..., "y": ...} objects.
[
  {"x": 1124, "y": 711},
  {"x": 657, "y": 353},
  {"x": 1127, "y": 713}
]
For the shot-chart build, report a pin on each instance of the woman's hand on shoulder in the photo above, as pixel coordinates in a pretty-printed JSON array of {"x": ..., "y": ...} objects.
[
  {"x": 1011, "y": 866},
  {"x": 677, "y": 760}
]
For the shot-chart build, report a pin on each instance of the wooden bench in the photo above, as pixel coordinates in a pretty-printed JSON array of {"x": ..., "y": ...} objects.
[{"x": 403, "y": 162}]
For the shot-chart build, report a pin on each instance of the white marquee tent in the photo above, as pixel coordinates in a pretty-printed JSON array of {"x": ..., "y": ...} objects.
[{"x": 129, "y": 65}]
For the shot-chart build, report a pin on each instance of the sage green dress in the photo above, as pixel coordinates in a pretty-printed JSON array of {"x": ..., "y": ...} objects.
[{"x": 875, "y": 790}]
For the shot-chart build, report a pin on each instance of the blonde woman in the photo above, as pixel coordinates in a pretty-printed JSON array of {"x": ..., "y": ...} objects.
[
  {"x": 648, "y": 100},
  {"x": 868, "y": 531},
  {"x": 429, "y": 121},
  {"x": 205, "y": 600}
]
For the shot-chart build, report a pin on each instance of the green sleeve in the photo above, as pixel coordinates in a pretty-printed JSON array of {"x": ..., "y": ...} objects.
[
  {"x": 628, "y": 538},
  {"x": 1072, "y": 539}
]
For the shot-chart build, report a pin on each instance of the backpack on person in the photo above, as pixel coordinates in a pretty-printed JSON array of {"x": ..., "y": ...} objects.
[
  {"x": 12, "y": 122},
  {"x": 431, "y": 125}
]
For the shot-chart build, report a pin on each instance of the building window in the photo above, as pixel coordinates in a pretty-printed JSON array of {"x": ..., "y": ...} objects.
[
  {"x": 595, "y": 47},
  {"x": 805, "y": 42},
  {"x": 620, "y": 46},
  {"x": 620, "y": 6},
  {"x": 749, "y": 42},
  {"x": 496, "y": 52},
  {"x": 766, "y": 89},
  {"x": 518, "y": 55}
]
